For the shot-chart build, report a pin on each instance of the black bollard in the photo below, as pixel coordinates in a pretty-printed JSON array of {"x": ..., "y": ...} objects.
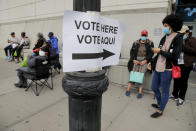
[
  {"x": 85, "y": 99},
  {"x": 85, "y": 89}
]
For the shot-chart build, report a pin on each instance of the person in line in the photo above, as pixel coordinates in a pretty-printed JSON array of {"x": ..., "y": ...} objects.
[
  {"x": 13, "y": 43},
  {"x": 39, "y": 43},
  {"x": 54, "y": 43},
  {"x": 168, "y": 52},
  {"x": 185, "y": 61},
  {"x": 24, "y": 42},
  {"x": 31, "y": 67},
  {"x": 140, "y": 54}
]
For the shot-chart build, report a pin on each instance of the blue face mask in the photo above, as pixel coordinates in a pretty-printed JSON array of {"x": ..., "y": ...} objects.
[
  {"x": 166, "y": 30},
  {"x": 143, "y": 38},
  {"x": 184, "y": 37}
]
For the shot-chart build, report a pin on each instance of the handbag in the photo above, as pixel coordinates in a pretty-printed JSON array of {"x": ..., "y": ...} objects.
[
  {"x": 136, "y": 77},
  {"x": 24, "y": 63},
  {"x": 15, "y": 54},
  {"x": 176, "y": 72}
]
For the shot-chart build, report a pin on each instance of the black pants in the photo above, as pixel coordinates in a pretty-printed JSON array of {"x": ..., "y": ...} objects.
[
  {"x": 19, "y": 49},
  {"x": 8, "y": 48},
  {"x": 13, "y": 50},
  {"x": 181, "y": 84},
  {"x": 56, "y": 63}
]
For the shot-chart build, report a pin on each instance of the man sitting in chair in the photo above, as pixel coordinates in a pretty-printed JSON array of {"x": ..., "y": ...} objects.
[{"x": 32, "y": 65}]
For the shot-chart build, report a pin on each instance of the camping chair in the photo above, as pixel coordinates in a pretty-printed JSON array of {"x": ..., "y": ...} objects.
[{"x": 40, "y": 78}]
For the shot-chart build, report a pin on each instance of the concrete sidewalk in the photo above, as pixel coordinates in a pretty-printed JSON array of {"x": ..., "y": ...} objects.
[{"x": 23, "y": 111}]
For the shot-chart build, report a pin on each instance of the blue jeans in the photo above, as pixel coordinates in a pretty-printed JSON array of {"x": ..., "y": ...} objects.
[{"x": 161, "y": 80}]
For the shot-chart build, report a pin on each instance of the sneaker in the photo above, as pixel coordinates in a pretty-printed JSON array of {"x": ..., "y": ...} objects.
[
  {"x": 180, "y": 102},
  {"x": 17, "y": 61},
  {"x": 7, "y": 57},
  {"x": 10, "y": 60},
  {"x": 171, "y": 97},
  {"x": 139, "y": 96},
  {"x": 128, "y": 93},
  {"x": 156, "y": 114}
]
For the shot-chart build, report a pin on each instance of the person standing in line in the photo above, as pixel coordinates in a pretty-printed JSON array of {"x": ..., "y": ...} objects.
[
  {"x": 13, "y": 43},
  {"x": 54, "y": 43},
  {"x": 141, "y": 53},
  {"x": 185, "y": 61},
  {"x": 168, "y": 52}
]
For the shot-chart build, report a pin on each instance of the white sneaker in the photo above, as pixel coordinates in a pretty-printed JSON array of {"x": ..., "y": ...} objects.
[{"x": 180, "y": 102}]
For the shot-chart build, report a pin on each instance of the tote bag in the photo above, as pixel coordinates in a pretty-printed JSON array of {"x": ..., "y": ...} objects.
[
  {"x": 24, "y": 63},
  {"x": 136, "y": 77},
  {"x": 15, "y": 53}
]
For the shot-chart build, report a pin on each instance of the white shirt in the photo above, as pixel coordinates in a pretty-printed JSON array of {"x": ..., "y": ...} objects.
[
  {"x": 14, "y": 41},
  {"x": 22, "y": 41}
]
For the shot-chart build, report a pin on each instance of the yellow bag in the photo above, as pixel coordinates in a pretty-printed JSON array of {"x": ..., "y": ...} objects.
[
  {"x": 24, "y": 63},
  {"x": 15, "y": 53}
]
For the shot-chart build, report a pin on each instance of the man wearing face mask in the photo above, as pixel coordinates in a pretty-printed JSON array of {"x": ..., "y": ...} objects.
[
  {"x": 168, "y": 53},
  {"x": 140, "y": 54},
  {"x": 31, "y": 67},
  {"x": 185, "y": 61}
]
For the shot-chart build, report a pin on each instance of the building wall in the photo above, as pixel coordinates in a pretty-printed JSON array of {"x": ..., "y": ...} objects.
[{"x": 34, "y": 16}]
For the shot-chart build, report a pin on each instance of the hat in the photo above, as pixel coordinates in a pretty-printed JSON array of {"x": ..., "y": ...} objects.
[
  {"x": 50, "y": 34},
  {"x": 144, "y": 32},
  {"x": 184, "y": 29}
]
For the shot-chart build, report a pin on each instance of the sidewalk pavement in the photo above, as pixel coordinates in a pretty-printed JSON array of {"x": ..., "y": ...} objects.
[{"x": 23, "y": 111}]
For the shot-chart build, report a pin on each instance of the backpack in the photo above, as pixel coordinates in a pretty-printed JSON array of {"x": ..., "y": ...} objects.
[{"x": 52, "y": 53}]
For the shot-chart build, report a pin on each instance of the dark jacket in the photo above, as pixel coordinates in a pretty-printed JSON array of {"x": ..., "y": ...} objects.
[
  {"x": 189, "y": 50},
  {"x": 172, "y": 54},
  {"x": 134, "y": 51},
  {"x": 39, "y": 43},
  {"x": 35, "y": 65}
]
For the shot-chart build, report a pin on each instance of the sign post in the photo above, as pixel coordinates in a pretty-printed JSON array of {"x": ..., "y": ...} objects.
[{"x": 88, "y": 42}]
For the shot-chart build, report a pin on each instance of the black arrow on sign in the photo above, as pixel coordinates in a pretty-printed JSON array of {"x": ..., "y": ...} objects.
[{"x": 105, "y": 54}]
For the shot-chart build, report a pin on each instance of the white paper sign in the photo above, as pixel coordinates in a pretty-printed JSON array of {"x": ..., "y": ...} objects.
[{"x": 90, "y": 41}]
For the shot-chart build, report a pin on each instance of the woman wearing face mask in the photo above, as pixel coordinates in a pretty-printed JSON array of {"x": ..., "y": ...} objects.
[
  {"x": 140, "y": 54},
  {"x": 168, "y": 52},
  {"x": 185, "y": 61}
]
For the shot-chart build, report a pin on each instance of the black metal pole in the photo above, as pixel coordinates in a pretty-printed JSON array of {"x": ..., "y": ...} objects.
[{"x": 85, "y": 89}]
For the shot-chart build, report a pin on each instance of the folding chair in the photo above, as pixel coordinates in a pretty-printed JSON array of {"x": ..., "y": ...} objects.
[{"x": 40, "y": 79}]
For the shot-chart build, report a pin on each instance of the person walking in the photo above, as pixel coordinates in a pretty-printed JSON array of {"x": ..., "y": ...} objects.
[
  {"x": 140, "y": 54},
  {"x": 168, "y": 53},
  {"x": 185, "y": 61}
]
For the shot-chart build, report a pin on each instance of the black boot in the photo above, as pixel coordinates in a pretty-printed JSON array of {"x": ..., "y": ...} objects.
[{"x": 19, "y": 85}]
